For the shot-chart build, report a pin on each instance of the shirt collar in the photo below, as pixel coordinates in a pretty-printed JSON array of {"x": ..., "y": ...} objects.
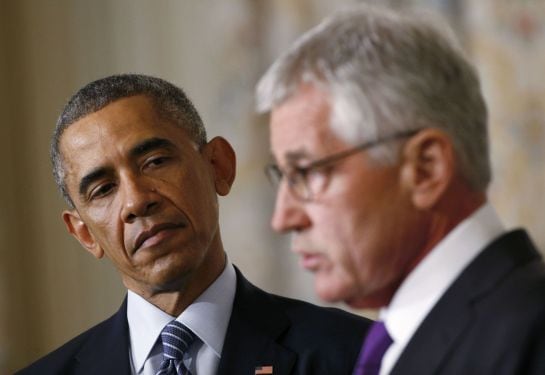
[
  {"x": 430, "y": 279},
  {"x": 208, "y": 317}
]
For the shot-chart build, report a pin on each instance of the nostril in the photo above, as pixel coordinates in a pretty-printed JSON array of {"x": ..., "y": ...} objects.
[
  {"x": 139, "y": 200},
  {"x": 151, "y": 206}
]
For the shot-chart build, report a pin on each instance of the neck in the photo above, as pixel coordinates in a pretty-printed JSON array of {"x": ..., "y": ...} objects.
[
  {"x": 455, "y": 207},
  {"x": 176, "y": 298},
  {"x": 175, "y": 302}
]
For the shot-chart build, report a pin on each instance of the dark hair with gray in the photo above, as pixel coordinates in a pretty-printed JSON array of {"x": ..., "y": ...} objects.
[
  {"x": 169, "y": 101},
  {"x": 386, "y": 73}
]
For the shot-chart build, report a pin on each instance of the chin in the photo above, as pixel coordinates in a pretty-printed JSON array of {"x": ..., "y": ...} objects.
[
  {"x": 169, "y": 285},
  {"x": 370, "y": 299},
  {"x": 172, "y": 278},
  {"x": 330, "y": 290},
  {"x": 359, "y": 303}
]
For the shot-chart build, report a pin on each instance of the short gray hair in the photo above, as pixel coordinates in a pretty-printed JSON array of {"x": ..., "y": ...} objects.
[
  {"x": 169, "y": 101},
  {"x": 387, "y": 73}
]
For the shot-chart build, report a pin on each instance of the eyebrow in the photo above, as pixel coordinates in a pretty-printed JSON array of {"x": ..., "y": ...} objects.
[
  {"x": 295, "y": 156},
  {"x": 138, "y": 150},
  {"x": 150, "y": 144},
  {"x": 90, "y": 177}
]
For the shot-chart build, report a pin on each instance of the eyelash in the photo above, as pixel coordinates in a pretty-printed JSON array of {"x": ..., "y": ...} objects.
[
  {"x": 155, "y": 161},
  {"x": 104, "y": 189},
  {"x": 101, "y": 191}
]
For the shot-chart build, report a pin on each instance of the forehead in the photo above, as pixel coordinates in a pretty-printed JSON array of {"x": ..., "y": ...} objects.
[
  {"x": 133, "y": 113},
  {"x": 109, "y": 133},
  {"x": 301, "y": 125}
]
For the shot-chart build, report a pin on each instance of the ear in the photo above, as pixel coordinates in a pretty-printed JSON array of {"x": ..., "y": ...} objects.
[
  {"x": 77, "y": 228},
  {"x": 429, "y": 167},
  {"x": 223, "y": 160}
]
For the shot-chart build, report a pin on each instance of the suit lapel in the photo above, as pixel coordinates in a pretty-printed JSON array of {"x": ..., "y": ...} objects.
[
  {"x": 256, "y": 324},
  {"x": 435, "y": 338},
  {"x": 106, "y": 351},
  {"x": 443, "y": 328}
]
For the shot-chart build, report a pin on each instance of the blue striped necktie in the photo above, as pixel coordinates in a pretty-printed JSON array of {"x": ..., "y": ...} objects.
[{"x": 177, "y": 339}]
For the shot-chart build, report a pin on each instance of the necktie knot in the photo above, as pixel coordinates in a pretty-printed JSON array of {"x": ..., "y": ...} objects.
[
  {"x": 375, "y": 345},
  {"x": 176, "y": 339}
]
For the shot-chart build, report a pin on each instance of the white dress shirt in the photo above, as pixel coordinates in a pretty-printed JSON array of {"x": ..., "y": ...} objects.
[
  {"x": 208, "y": 318},
  {"x": 431, "y": 278}
]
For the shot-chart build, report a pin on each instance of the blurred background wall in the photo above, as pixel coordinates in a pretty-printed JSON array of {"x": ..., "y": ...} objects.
[{"x": 50, "y": 289}]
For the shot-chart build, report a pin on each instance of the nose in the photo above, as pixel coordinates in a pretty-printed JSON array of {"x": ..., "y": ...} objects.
[
  {"x": 289, "y": 213},
  {"x": 139, "y": 198}
]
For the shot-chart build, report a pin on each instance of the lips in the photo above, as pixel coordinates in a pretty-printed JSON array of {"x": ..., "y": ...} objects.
[
  {"x": 153, "y": 231},
  {"x": 309, "y": 260}
]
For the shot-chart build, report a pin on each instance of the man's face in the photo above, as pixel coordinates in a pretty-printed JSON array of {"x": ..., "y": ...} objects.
[
  {"x": 358, "y": 235},
  {"x": 144, "y": 195}
]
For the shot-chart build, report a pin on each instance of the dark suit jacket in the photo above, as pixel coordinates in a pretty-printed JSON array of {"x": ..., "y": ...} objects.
[
  {"x": 490, "y": 321},
  {"x": 264, "y": 330}
]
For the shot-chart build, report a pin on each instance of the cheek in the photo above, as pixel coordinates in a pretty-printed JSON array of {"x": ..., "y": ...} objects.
[
  {"x": 201, "y": 200},
  {"x": 196, "y": 200},
  {"x": 104, "y": 226},
  {"x": 102, "y": 216},
  {"x": 340, "y": 232},
  {"x": 353, "y": 241},
  {"x": 337, "y": 281},
  {"x": 195, "y": 181},
  {"x": 339, "y": 240}
]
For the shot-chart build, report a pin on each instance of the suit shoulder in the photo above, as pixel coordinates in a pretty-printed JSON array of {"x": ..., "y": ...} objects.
[
  {"x": 330, "y": 320},
  {"x": 313, "y": 311},
  {"x": 63, "y": 359},
  {"x": 304, "y": 316},
  {"x": 520, "y": 292},
  {"x": 326, "y": 339}
]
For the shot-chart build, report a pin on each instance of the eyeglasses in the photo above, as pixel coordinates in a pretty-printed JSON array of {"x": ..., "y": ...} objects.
[{"x": 308, "y": 181}]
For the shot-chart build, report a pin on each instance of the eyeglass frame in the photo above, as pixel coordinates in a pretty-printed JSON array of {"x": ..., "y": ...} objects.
[{"x": 275, "y": 174}]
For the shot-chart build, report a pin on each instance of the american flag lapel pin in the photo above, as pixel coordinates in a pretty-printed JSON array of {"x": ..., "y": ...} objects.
[{"x": 263, "y": 370}]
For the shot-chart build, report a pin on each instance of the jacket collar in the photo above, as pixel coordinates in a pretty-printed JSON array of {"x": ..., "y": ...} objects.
[
  {"x": 443, "y": 328},
  {"x": 257, "y": 322},
  {"x": 107, "y": 350}
]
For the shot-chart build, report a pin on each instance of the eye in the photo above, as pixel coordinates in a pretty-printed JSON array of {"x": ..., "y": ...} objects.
[
  {"x": 156, "y": 161},
  {"x": 315, "y": 179},
  {"x": 101, "y": 190}
]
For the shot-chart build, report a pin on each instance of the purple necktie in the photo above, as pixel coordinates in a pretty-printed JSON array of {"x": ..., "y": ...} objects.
[{"x": 373, "y": 349}]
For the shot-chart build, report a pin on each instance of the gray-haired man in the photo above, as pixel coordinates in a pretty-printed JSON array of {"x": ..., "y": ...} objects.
[{"x": 379, "y": 131}]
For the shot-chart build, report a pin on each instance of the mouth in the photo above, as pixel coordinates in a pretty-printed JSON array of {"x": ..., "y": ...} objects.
[
  {"x": 155, "y": 234},
  {"x": 311, "y": 261}
]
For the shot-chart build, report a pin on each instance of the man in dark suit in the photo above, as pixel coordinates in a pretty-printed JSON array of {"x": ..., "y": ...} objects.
[
  {"x": 131, "y": 158},
  {"x": 379, "y": 131}
]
